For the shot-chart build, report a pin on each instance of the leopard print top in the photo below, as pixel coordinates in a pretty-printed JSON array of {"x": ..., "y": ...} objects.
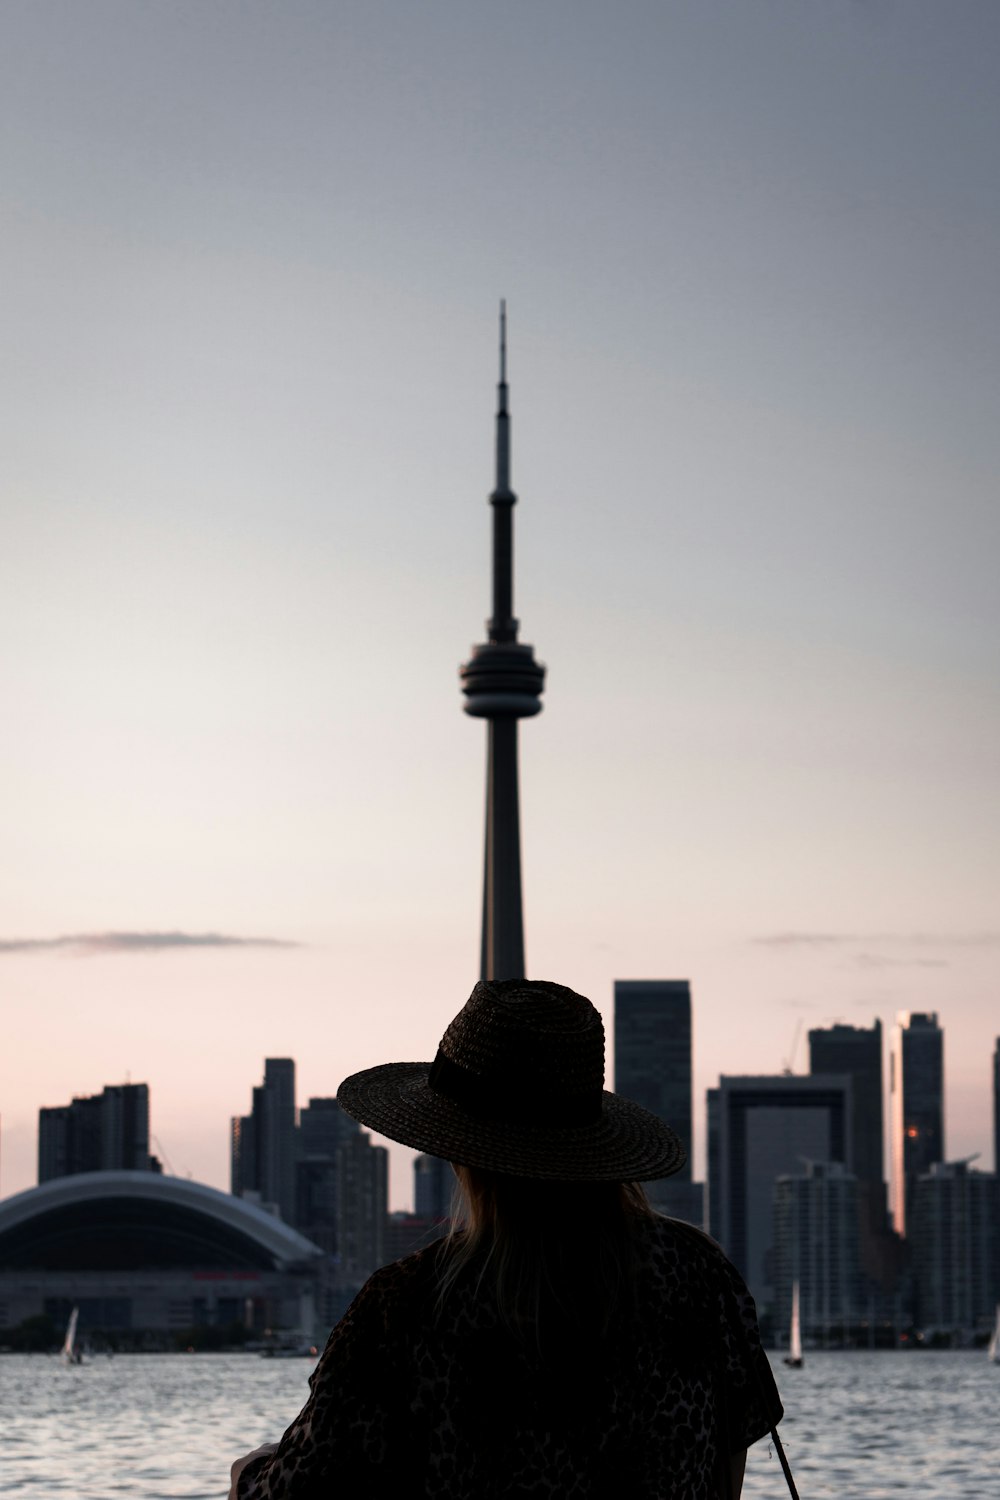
[{"x": 412, "y": 1399}]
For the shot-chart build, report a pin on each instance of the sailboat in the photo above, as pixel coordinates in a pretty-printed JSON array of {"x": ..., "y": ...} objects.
[
  {"x": 794, "y": 1355},
  {"x": 70, "y": 1353},
  {"x": 993, "y": 1347}
]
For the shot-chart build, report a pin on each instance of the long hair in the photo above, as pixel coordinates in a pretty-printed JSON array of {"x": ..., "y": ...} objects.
[{"x": 554, "y": 1257}]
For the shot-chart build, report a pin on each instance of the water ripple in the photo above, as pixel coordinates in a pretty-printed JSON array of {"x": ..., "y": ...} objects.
[{"x": 859, "y": 1426}]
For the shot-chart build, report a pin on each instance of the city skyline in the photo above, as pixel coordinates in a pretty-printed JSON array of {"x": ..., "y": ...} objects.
[
  {"x": 260, "y": 1150},
  {"x": 752, "y": 259},
  {"x": 795, "y": 1189}
]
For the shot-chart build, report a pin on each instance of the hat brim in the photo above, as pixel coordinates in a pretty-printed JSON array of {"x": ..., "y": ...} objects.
[{"x": 627, "y": 1144}]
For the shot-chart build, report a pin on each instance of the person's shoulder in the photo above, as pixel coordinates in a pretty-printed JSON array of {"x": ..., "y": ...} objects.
[
  {"x": 679, "y": 1234},
  {"x": 692, "y": 1267},
  {"x": 402, "y": 1281},
  {"x": 410, "y": 1267},
  {"x": 388, "y": 1301},
  {"x": 694, "y": 1246}
]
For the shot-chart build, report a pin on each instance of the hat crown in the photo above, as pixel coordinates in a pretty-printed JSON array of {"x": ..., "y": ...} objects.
[
  {"x": 531, "y": 1034},
  {"x": 517, "y": 1087}
]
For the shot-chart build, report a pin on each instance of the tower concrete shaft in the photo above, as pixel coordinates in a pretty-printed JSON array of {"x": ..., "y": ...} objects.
[{"x": 502, "y": 683}]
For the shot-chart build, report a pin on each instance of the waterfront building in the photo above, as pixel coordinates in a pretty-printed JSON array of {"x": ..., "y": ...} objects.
[
  {"x": 857, "y": 1051},
  {"x": 502, "y": 683},
  {"x": 96, "y": 1133},
  {"x": 361, "y": 1208},
  {"x": 955, "y": 1237},
  {"x": 916, "y": 1090},
  {"x": 342, "y": 1199},
  {"x": 321, "y": 1174},
  {"x": 316, "y": 1200},
  {"x": 143, "y": 1255},
  {"x": 759, "y": 1129},
  {"x": 653, "y": 1051},
  {"x": 323, "y": 1129},
  {"x": 264, "y": 1144},
  {"x": 276, "y": 1137},
  {"x": 652, "y": 1028},
  {"x": 244, "y": 1173},
  {"x": 816, "y": 1245}
]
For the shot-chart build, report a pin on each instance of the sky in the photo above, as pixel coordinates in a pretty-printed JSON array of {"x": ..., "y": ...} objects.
[{"x": 250, "y": 268}]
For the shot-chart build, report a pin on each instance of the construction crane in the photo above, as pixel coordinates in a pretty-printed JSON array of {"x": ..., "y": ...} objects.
[
  {"x": 789, "y": 1066},
  {"x": 163, "y": 1157}
]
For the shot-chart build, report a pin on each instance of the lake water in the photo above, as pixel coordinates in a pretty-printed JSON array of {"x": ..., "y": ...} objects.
[{"x": 858, "y": 1426}]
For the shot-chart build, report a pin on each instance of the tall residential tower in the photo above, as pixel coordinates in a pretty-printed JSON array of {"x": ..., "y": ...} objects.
[
  {"x": 653, "y": 1051},
  {"x": 653, "y": 1068},
  {"x": 856, "y": 1050},
  {"x": 916, "y": 1085},
  {"x": 263, "y": 1146},
  {"x": 98, "y": 1133}
]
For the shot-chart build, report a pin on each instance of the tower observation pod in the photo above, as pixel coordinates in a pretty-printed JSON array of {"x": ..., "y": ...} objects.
[{"x": 502, "y": 683}]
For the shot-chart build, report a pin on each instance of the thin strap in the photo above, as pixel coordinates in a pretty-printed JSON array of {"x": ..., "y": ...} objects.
[
  {"x": 784, "y": 1464},
  {"x": 775, "y": 1439}
]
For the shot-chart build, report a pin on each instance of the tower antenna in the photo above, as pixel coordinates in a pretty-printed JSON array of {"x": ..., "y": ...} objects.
[{"x": 503, "y": 343}]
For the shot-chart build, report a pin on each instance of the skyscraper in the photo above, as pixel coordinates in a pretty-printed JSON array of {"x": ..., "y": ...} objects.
[
  {"x": 816, "y": 1245},
  {"x": 996, "y": 1108},
  {"x": 916, "y": 1085},
  {"x": 263, "y": 1144},
  {"x": 502, "y": 683},
  {"x": 653, "y": 1052},
  {"x": 955, "y": 1234},
  {"x": 361, "y": 1208},
  {"x": 277, "y": 1141},
  {"x": 856, "y": 1050},
  {"x": 244, "y": 1169},
  {"x": 653, "y": 1067},
  {"x": 323, "y": 1128},
  {"x": 759, "y": 1129},
  {"x": 98, "y": 1133}
]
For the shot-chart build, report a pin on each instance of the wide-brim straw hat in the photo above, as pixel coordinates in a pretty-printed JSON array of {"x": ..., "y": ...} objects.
[{"x": 517, "y": 1087}]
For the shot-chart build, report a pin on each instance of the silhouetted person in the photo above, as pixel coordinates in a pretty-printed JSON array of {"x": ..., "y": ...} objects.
[{"x": 567, "y": 1341}]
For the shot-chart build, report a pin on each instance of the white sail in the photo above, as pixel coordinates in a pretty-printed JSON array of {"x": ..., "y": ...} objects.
[
  {"x": 69, "y": 1350},
  {"x": 993, "y": 1347},
  {"x": 795, "y": 1336}
]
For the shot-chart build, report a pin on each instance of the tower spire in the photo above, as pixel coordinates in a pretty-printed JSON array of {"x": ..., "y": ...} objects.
[
  {"x": 503, "y": 416},
  {"x": 502, "y": 626},
  {"x": 503, "y": 345},
  {"x": 502, "y": 683}
]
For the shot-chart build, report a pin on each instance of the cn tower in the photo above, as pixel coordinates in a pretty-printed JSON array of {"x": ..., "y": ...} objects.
[{"x": 502, "y": 683}]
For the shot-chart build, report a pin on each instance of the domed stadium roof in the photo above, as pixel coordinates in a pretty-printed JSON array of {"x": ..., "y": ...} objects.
[{"x": 134, "y": 1221}]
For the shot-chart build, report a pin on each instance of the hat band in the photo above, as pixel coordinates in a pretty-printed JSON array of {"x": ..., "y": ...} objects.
[{"x": 489, "y": 1099}]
